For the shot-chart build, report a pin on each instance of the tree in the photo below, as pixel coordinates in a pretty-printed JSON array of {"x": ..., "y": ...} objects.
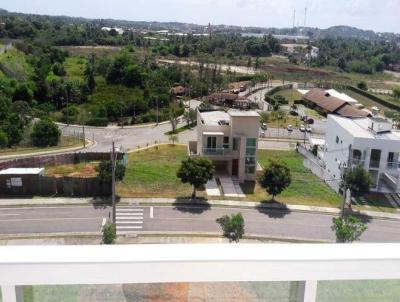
[
  {"x": 191, "y": 116},
  {"x": 104, "y": 171},
  {"x": 3, "y": 139},
  {"x": 196, "y": 171},
  {"x": 348, "y": 228},
  {"x": 276, "y": 178},
  {"x": 173, "y": 138},
  {"x": 90, "y": 73},
  {"x": 232, "y": 227},
  {"x": 23, "y": 110},
  {"x": 45, "y": 133},
  {"x": 358, "y": 181},
  {"x": 362, "y": 85},
  {"x": 23, "y": 93},
  {"x": 109, "y": 233},
  {"x": 173, "y": 118},
  {"x": 396, "y": 93},
  {"x": 58, "y": 69}
]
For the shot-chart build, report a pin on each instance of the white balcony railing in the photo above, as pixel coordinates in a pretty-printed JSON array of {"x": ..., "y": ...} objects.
[{"x": 123, "y": 264}]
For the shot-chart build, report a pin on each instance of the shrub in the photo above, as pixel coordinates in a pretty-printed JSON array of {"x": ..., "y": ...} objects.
[
  {"x": 232, "y": 227},
  {"x": 45, "y": 133},
  {"x": 3, "y": 139},
  {"x": 109, "y": 233},
  {"x": 104, "y": 170}
]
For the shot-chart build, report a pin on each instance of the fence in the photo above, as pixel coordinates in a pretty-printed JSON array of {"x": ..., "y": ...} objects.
[
  {"x": 49, "y": 186},
  {"x": 316, "y": 167}
]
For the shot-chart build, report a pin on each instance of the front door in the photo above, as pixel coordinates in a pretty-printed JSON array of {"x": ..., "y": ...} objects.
[{"x": 235, "y": 167}]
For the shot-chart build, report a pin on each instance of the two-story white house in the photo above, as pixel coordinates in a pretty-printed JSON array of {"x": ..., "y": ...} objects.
[
  {"x": 374, "y": 145},
  {"x": 230, "y": 140}
]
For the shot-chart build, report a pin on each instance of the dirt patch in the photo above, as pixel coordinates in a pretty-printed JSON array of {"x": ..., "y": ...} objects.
[{"x": 82, "y": 170}]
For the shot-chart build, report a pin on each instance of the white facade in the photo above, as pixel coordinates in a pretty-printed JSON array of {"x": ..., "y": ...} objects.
[
  {"x": 374, "y": 146},
  {"x": 230, "y": 140}
]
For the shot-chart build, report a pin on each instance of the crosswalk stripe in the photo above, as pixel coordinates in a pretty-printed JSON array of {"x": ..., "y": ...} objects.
[
  {"x": 129, "y": 227},
  {"x": 130, "y": 214},
  {"x": 130, "y": 217},
  {"x": 130, "y": 210},
  {"x": 130, "y": 222}
]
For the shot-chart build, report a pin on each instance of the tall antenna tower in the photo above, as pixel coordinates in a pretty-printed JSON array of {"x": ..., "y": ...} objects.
[
  {"x": 305, "y": 17},
  {"x": 294, "y": 18}
]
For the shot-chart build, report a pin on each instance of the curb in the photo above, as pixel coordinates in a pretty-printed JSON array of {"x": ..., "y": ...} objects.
[
  {"x": 48, "y": 235},
  {"x": 218, "y": 235},
  {"x": 89, "y": 144}
]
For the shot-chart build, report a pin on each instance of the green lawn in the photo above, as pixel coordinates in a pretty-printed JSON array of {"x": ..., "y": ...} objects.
[
  {"x": 65, "y": 142},
  {"x": 306, "y": 188},
  {"x": 15, "y": 62},
  {"x": 75, "y": 67},
  {"x": 152, "y": 173},
  {"x": 289, "y": 94},
  {"x": 368, "y": 103}
]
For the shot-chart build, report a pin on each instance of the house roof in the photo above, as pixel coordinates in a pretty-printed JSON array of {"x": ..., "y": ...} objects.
[
  {"x": 236, "y": 113},
  {"x": 178, "y": 89},
  {"x": 331, "y": 104}
]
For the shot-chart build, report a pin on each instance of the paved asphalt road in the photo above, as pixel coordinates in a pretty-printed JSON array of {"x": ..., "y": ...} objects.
[{"x": 183, "y": 219}]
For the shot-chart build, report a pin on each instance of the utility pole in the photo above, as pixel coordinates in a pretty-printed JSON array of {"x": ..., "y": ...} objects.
[
  {"x": 157, "y": 108},
  {"x": 349, "y": 163},
  {"x": 84, "y": 137},
  {"x": 113, "y": 160}
]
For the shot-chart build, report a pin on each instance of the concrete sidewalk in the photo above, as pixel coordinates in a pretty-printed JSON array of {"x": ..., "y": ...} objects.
[{"x": 172, "y": 201}]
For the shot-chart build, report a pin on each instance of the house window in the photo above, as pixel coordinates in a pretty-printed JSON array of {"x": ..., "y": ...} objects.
[
  {"x": 211, "y": 142},
  {"x": 226, "y": 142},
  {"x": 337, "y": 139},
  {"x": 236, "y": 143},
  {"x": 250, "y": 162}
]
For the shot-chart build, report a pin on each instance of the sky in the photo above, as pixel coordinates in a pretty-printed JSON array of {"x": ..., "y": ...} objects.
[{"x": 378, "y": 15}]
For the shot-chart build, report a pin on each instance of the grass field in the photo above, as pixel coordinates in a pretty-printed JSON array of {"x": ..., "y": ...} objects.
[
  {"x": 15, "y": 65},
  {"x": 306, "y": 188},
  {"x": 368, "y": 103},
  {"x": 75, "y": 67},
  {"x": 152, "y": 173},
  {"x": 65, "y": 142}
]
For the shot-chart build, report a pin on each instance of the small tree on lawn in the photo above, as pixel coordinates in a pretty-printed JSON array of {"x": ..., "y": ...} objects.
[
  {"x": 173, "y": 138},
  {"x": 109, "y": 233},
  {"x": 348, "y": 228},
  {"x": 232, "y": 227},
  {"x": 362, "y": 85},
  {"x": 275, "y": 178},
  {"x": 358, "y": 181},
  {"x": 396, "y": 93},
  {"x": 104, "y": 171},
  {"x": 196, "y": 171},
  {"x": 45, "y": 133}
]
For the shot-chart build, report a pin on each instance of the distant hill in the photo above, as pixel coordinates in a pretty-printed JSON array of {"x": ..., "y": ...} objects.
[{"x": 340, "y": 31}]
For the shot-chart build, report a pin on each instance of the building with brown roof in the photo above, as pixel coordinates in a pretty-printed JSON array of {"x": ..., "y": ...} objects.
[
  {"x": 223, "y": 98},
  {"x": 328, "y": 104}
]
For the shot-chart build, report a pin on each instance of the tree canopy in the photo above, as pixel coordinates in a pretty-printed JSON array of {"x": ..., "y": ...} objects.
[{"x": 276, "y": 178}]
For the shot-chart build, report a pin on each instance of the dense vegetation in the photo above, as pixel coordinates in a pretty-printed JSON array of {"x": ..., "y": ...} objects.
[{"x": 360, "y": 56}]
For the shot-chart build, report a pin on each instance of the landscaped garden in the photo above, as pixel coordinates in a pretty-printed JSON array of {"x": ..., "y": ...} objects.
[{"x": 152, "y": 173}]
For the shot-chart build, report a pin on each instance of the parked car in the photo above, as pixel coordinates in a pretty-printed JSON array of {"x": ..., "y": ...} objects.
[
  {"x": 308, "y": 128},
  {"x": 264, "y": 126},
  {"x": 242, "y": 88},
  {"x": 289, "y": 128},
  {"x": 302, "y": 128},
  {"x": 310, "y": 121},
  {"x": 262, "y": 133}
]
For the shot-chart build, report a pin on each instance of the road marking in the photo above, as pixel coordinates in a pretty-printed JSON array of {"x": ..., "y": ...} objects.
[
  {"x": 151, "y": 212},
  {"x": 10, "y": 214},
  {"x": 130, "y": 214},
  {"x": 130, "y": 222},
  {"x": 103, "y": 223},
  {"x": 130, "y": 210},
  {"x": 129, "y": 227},
  {"x": 49, "y": 219}
]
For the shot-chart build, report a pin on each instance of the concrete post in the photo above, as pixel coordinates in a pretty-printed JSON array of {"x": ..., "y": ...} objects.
[
  {"x": 8, "y": 293},
  {"x": 307, "y": 291}
]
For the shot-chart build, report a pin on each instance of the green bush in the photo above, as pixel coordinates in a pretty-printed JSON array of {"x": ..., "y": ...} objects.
[
  {"x": 3, "y": 139},
  {"x": 109, "y": 233},
  {"x": 45, "y": 133},
  {"x": 98, "y": 122},
  {"x": 104, "y": 170}
]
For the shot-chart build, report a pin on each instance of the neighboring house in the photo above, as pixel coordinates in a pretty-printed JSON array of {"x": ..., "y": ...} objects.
[
  {"x": 230, "y": 140},
  {"x": 374, "y": 146},
  {"x": 326, "y": 103},
  {"x": 178, "y": 91}
]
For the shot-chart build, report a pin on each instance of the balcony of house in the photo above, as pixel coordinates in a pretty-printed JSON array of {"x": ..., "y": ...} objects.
[
  {"x": 216, "y": 151},
  {"x": 310, "y": 272}
]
